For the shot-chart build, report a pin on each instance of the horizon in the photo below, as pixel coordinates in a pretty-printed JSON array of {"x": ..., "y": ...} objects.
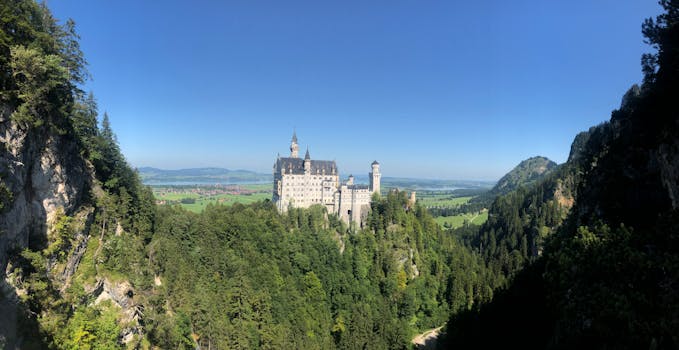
[
  {"x": 430, "y": 90},
  {"x": 356, "y": 175}
]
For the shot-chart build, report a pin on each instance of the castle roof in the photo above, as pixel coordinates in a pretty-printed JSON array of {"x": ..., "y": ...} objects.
[
  {"x": 294, "y": 136},
  {"x": 296, "y": 166},
  {"x": 306, "y": 156},
  {"x": 375, "y": 163}
]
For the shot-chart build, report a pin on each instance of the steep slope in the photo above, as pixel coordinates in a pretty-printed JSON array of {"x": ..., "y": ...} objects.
[
  {"x": 607, "y": 278},
  {"x": 41, "y": 173},
  {"x": 73, "y": 215},
  {"x": 45, "y": 182},
  {"x": 520, "y": 220}
]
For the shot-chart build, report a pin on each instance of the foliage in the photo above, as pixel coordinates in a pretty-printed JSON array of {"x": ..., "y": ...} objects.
[
  {"x": 607, "y": 278},
  {"x": 519, "y": 223},
  {"x": 6, "y": 196},
  {"x": 39, "y": 79},
  {"x": 91, "y": 328},
  {"x": 59, "y": 236},
  {"x": 247, "y": 276}
]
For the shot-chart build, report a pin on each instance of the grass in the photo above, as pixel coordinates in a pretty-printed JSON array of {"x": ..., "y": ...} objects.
[
  {"x": 443, "y": 201},
  {"x": 458, "y": 220},
  {"x": 226, "y": 199}
]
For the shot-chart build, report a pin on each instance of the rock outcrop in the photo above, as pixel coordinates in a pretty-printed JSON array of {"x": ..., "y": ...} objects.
[
  {"x": 121, "y": 294},
  {"x": 44, "y": 171},
  {"x": 45, "y": 174}
]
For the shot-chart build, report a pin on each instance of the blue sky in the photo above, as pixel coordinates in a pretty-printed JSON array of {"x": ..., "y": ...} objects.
[{"x": 433, "y": 89}]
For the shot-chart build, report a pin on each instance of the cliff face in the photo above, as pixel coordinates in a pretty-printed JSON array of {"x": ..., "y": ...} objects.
[
  {"x": 45, "y": 175},
  {"x": 630, "y": 167},
  {"x": 44, "y": 171}
]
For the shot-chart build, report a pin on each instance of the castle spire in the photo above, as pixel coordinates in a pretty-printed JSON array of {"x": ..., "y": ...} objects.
[
  {"x": 294, "y": 148},
  {"x": 307, "y": 162}
]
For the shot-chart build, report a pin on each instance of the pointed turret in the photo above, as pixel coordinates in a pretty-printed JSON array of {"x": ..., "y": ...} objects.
[
  {"x": 294, "y": 148},
  {"x": 307, "y": 162}
]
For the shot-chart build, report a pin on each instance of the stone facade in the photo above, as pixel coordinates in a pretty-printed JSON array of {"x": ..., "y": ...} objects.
[{"x": 301, "y": 183}]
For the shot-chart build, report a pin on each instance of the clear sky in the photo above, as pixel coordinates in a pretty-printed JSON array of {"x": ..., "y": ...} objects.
[{"x": 435, "y": 89}]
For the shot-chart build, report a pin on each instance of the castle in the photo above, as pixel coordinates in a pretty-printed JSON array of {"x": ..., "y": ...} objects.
[{"x": 301, "y": 183}]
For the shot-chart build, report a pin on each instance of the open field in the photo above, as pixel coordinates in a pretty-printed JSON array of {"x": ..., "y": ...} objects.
[
  {"x": 458, "y": 220},
  {"x": 451, "y": 199},
  {"x": 442, "y": 200},
  {"x": 196, "y": 198}
]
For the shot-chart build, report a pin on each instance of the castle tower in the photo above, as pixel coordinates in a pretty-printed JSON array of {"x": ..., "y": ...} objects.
[
  {"x": 307, "y": 162},
  {"x": 294, "y": 148},
  {"x": 375, "y": 177}
]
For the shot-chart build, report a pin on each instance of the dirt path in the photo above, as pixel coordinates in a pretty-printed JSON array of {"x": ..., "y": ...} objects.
[{"x": 427, "y": 340}]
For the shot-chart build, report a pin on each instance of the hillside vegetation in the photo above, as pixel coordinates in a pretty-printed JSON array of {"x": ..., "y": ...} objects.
[
  {"x": 248, "y": 277},
  {"x": 607, "y": 221},
  {"x": 525, "y": 174}
]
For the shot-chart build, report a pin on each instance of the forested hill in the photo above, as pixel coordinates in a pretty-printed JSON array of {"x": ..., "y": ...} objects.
[
  {"x": 609, "y": 226},
  {"x": 525, "y": 174}
]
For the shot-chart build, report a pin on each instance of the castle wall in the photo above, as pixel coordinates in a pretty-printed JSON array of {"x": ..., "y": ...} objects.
[
  {"x": 352, "y": 203},
  {"x": 304, "y": 190}
]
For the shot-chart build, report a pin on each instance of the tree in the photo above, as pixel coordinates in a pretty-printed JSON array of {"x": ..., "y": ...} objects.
[{"x": 663, "y": 35}]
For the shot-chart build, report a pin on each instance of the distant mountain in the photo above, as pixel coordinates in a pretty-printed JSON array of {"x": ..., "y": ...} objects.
[
  {"x": 155, "y": 176},
  {"x": 433, "y": 184},
  {"x": 524, "y": 174}
]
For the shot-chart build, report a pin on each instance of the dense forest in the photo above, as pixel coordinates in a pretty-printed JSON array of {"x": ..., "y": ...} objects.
[
  {"x": 598, "y": 253},
  {"x": 247, "y": 277}
]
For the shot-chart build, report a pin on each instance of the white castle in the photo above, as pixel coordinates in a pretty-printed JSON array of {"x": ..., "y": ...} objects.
[{"x": 301, "y": 183}]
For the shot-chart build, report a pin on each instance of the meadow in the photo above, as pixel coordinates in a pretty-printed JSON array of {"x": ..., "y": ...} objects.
[
  {"x": 451, "y": 199},
  {"x": 459, "y": 220},
  {"x": 195, "y": 198},
  {"x": 442, "y": 200}
]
